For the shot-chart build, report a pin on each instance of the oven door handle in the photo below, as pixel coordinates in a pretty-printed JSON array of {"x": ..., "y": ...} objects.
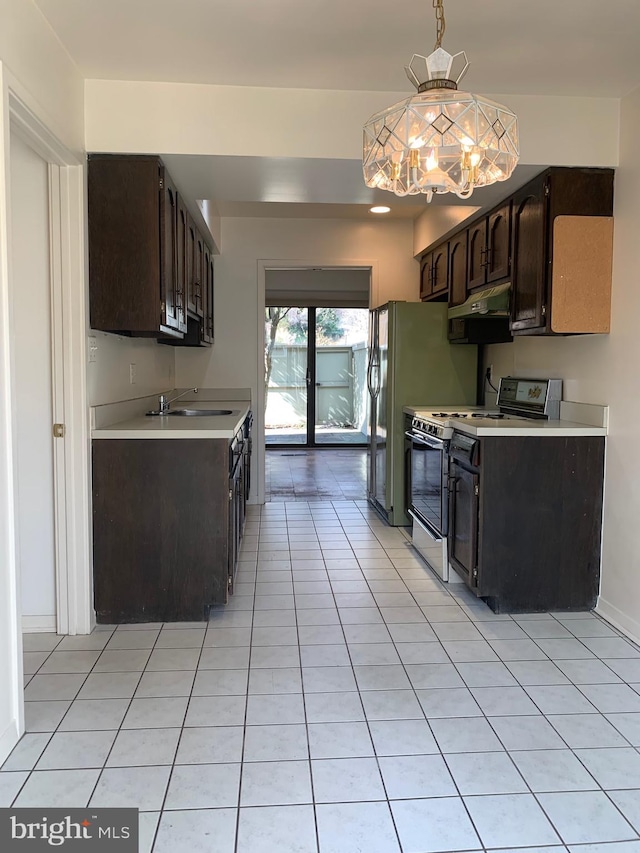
[{"x": 435, "y": 443}]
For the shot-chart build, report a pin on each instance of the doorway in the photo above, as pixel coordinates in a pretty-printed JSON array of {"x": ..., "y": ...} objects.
[{"x": 315, "y": 376}]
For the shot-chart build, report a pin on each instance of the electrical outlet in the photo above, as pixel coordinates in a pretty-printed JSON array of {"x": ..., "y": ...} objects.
[
  {"x": 132, "y": 374},
  {"x": 92, "y": 347}
]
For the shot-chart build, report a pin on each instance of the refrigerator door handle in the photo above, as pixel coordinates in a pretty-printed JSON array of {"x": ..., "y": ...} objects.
[
  {"x": 369, "y": 369},
  {"x": 373, "y": 365},
  {"x": 375, "y": 389}
]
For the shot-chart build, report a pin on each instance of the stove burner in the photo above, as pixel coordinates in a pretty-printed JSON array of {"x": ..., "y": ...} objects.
[
  {"x": 496, "y": 416},
  {"x": 438, "y": 414}
]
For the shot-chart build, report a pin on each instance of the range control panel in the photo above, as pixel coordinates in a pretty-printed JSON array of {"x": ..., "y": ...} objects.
[{"x": 533, "y": 398}]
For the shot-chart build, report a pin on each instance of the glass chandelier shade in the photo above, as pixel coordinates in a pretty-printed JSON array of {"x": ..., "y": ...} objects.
[{"x": 439, "y": 140}]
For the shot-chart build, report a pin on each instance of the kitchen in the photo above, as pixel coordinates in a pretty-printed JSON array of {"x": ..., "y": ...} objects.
[{"x": 596, "y": 370}]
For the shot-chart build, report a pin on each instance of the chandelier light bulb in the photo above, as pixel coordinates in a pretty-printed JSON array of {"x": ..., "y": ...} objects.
[
  {"x": 431, "y": 161},
  {"x": 441, "y": 139}
]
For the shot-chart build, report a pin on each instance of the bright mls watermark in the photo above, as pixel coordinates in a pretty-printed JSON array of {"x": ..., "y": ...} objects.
[{"x": 80, "y": 830}]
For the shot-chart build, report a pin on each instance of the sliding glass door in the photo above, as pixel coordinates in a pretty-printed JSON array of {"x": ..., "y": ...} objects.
[{"x": 315, "y": 376}]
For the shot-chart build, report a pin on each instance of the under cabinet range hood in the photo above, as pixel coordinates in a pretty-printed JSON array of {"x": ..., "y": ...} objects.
[{"x": 490, "y": 302}]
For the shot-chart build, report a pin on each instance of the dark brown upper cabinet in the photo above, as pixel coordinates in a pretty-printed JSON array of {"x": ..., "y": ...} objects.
[
  {"x": 488, "y": 258},
  {"x": 173, "y": 304},
  {"x": 198, "y": 273},
  {"x": 210, "y": 303},
  {"x": 434, "y": 272},
  {"x": 207, "y": 320},
  {"x": 132, "y": 213},
  {"x": 181, "y": 255},
  {"x": 190, "y": 254},
  {"x": 528, "y": 256},
  {"x": 476, "y": 268},
  {"x": 562, "y": 250},
  {"x": 207, "y": 296},
  {"x": 425, "y": 276},
  {"x": 553, "y": 240},
  {"x": 458, "y": 269}
]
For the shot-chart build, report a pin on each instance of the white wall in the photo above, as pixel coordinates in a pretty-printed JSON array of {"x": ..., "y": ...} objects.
[
  {"x": 42, "y": 72},
  {"x": 34, "y": 64},
  {"x": 108, "y": 378},
  {"x": 436, "y": 221},
  {"x": 604, "y": 369},
  {"x": 233, "y": 361},
  {"x": 242, "y": 121},
  {"x": 31, "y": 340}
]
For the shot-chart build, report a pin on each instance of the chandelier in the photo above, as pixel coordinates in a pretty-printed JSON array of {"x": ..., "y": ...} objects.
[{"x": 439, "y": 140}]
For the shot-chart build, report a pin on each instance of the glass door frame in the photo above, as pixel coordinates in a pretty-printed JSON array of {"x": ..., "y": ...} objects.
[{"x": 311, "y": 380}]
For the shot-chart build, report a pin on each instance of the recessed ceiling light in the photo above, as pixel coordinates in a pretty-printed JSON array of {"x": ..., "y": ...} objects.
[{"x": 379, "y": 208}]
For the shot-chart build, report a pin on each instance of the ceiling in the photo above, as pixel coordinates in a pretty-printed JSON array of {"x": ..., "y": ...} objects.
[
  {"x": 560, "y": 47},
  {"x": 305, "y": 187}
]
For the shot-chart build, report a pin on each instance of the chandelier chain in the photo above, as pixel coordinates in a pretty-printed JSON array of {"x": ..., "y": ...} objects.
[{"x": 440, "y": 22}]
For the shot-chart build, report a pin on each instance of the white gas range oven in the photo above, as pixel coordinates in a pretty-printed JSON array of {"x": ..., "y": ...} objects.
[{"x": 428, "y": 443}]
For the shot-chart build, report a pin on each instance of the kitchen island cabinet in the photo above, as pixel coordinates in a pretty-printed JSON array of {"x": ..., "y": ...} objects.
[{"x": 168, "y": 519}]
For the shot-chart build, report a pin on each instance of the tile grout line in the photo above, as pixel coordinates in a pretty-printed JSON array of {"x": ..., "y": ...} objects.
[
  {"x": 393, "y": 642},
  {"x": 246, "y": 708}
]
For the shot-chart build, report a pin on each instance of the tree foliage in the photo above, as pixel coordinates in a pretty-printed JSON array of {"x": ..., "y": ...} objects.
[{"x": 328, "y": 326}]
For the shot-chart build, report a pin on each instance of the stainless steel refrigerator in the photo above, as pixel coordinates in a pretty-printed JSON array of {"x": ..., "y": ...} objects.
[{"x": 411, "y": 363}]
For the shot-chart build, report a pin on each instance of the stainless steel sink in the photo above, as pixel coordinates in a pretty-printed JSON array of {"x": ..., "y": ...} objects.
[{"x": 200, "y": 413}]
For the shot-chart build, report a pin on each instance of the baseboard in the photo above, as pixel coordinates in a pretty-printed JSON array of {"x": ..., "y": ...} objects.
[
  {"x": 629, "y": 627},
  {"x": 8, "y": 739},
  {"x": 38, "y": 624}
]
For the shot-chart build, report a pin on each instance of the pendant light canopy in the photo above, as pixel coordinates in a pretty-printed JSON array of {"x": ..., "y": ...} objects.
[{"x": 439, "y": 140}]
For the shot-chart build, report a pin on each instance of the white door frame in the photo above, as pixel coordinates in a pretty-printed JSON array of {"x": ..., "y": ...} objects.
[
  {"x": 74, "y": 610},
  {"x": 263, "y": 266}
]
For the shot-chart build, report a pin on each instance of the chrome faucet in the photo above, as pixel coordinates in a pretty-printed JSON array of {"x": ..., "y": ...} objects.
[{"x": 163, "y": 403}]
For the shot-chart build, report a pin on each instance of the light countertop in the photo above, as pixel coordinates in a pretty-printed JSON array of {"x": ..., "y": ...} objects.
[
  {"x": 522, "y": 427},
  {"x": 510, "y": 426},
  {"x": 176, "y": 426}
]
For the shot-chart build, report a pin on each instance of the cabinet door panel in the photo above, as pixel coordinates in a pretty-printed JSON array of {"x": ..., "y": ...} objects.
[
  {"x": 210, "y": 295},
  {"x": 206, "y": 291},
  {"x": 426, "y": 286},
  {"x": 498, "y": 243},
  {"x": 191, "y": 265},
  {"x": 198, "y": 274},
  {"x": 476, "y": 269},
  {"x": 182, "y": 285},
  {"x": 439, "y": 269},
  {"x": 170, "y": 310},
  {"x": 528, "y": 257},
  {"x": 463, "y": 521},
  {"x": 458, "y": 269}
]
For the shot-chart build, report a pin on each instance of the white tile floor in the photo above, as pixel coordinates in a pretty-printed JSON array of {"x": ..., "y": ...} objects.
[{"x": 343, "y": 702}]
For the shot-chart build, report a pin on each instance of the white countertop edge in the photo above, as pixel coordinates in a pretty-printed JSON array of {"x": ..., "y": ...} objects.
[
  {"x": 146, "y": 435},
  {"x": 549, "y": 430},
  {"x": 172, "y": 427}
]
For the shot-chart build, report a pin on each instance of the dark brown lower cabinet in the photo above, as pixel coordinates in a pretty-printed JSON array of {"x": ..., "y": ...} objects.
[
  {"x": 168, "y": 518},
  {"x": 525, "y": 522}
]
